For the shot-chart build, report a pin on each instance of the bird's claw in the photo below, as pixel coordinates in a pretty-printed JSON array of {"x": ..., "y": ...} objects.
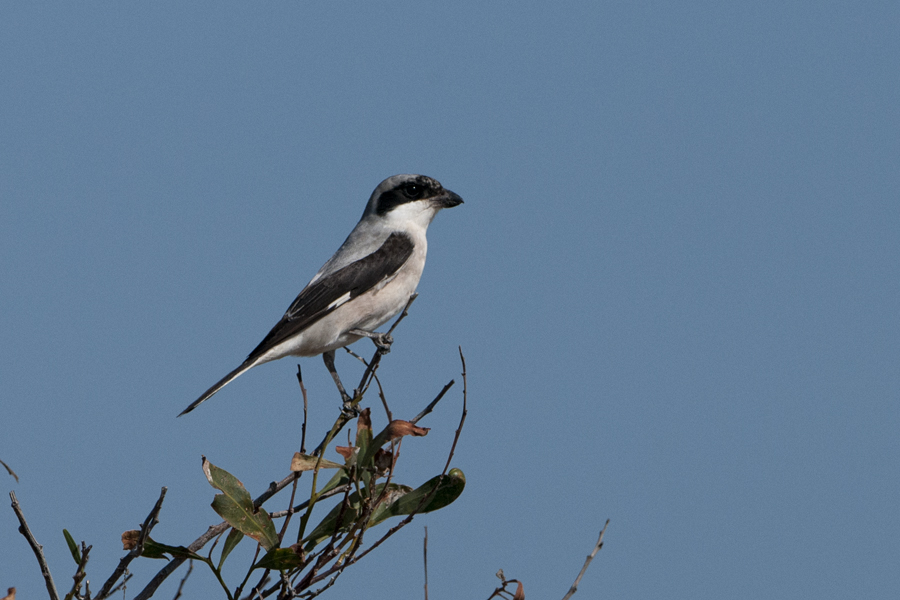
[
  {"x": 382, "y": 341},
  {"x": 349, "y": 410}
]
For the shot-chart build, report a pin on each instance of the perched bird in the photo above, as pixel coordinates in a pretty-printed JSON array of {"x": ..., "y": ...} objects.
[{"x": 368, "y": 280}]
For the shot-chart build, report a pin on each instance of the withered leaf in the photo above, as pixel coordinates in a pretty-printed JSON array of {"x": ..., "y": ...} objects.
[
  {"x": 520, "y": 592},
  {"x": 345, "y": 451},
  {"x": 130, "y": 539},
  {"x": 305, "y": 462},
  {"x": 398, "y": 428},
  {"x": 364, "y": 421}
]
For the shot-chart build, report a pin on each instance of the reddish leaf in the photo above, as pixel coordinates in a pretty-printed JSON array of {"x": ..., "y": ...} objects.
[{"x": 400, "y": 428}]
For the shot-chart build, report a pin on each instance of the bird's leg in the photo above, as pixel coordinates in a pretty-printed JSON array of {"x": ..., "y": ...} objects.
[
  {"x": 348, "y": 409},
  {"x": 382, "y": 341}
]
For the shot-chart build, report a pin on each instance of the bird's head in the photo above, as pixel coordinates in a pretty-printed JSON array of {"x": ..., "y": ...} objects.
[{"x": 407, "y": 197}]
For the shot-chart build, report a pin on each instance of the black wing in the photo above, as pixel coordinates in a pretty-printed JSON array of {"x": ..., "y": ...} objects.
[{"x": 357, "y": 278}]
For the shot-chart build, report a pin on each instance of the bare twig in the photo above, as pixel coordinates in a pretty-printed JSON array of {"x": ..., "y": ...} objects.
[
  {"x": 183, "y": 579},
  {"x": 425, "y": 560},
  {"x": 35, "y": 547},
  {"x": 465, "y": 410},
  {"x": 587, "y": 562},
  {"x": 79, "y": 573},
  {"x": 433, "y": 403},
  {"x": 148, "y": 524},
  {"x": 384, "y": 403},
  {"x": 119, "y": 585},
  {"x": 332, "y": 492},
  {"x": 305, "y": 410},
  {"x": 290, "y": 511}
]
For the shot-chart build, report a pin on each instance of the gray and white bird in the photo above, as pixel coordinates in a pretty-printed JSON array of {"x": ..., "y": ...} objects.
[{"x": 368, "y": 280}]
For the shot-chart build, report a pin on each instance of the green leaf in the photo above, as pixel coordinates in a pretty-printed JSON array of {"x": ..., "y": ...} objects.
[
  {"x": 73, "y": 547},
  {"x": 236, "y": 506},
  {"x": 153, "y": 549},
  {"x": 233, "y": 539},
  {"x": 326, "y": 528},
  {"x": 339, "y": 478},
  {"x": 449, "y": 490},
  {"x": 280, "y": 559}
]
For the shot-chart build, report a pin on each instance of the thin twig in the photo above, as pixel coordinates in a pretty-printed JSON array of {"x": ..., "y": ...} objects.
[
  {"x": 384, "y": 403},
  {"x": 148, "y": 524},
  {"x": 302, "y": 451},
  {"x": 183, "y": 579},
  {"x": 332, "y": 492},
  {"x": 120, "y": 585},
  {"x": 425, "y": 560},
  {"x": 305, "y": 410},
  {"x": 79, "y": 573},
  {"x": 35, "y": 547},
  {"x": 465, "y": 410},
  {"x": 587, "y": 562},
  {"x": 433, "y": 403}
]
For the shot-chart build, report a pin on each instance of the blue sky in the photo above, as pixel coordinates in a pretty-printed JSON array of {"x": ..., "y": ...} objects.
[{"x": 674, "y": 279}]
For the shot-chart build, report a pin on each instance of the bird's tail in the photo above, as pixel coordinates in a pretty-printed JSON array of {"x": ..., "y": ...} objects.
[{"x": 218, "y": 386}]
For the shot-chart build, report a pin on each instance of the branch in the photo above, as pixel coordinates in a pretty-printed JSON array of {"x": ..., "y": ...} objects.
[
  {"x": 433, "y": 403},
  {"x": 465, "y": 411},
  {"x": 80, "y": 574},
  {"x": 587, "y": 562},
  {"x": 37, "y": 548},
  {"x": 183, "y": 580},
  {"x": 148, "y": 524}
]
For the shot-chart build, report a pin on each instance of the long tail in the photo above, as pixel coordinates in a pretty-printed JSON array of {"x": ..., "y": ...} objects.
[{"x": 247, "y": 364}]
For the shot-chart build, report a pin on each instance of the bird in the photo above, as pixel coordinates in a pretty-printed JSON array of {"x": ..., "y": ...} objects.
[{"x": 370, "y": 278}]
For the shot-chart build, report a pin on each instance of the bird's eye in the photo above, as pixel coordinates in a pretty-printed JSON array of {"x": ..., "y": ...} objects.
[{"x": 413, "y": 190}]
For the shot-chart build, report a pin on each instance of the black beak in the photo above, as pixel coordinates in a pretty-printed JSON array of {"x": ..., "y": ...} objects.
[{"x": 449, "y": 199}]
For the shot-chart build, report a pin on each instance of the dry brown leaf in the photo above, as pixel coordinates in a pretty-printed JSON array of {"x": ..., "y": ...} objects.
[
  {"x": 364, "y": 421},
  {"x": 345, "y": 451},
  {"x": 11, "y": 472},
  {"x": 130, "y": 539},
  {"x": 305, "y": 462},
  {"x": 398, "y": 428},
  {"x": 520, "y": 592}
]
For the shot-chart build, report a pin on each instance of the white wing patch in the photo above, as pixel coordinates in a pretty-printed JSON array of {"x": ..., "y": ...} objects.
[{"x": 339, "y": 301}]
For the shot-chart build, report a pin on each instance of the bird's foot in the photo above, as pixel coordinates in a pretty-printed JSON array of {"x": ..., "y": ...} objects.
[
  {"x": 348, "y": 409},
  {"x": 382, "y": 341}
]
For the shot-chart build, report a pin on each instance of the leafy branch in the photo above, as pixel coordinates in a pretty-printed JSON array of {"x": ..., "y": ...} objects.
[{"x": 364, "y": 478}]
